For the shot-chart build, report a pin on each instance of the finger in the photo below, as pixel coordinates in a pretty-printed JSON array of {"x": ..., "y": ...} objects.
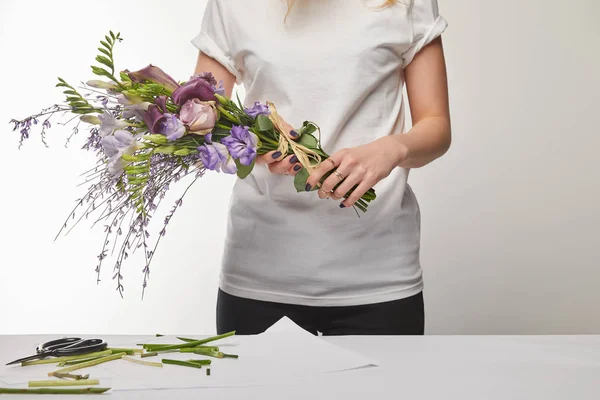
[
  {"x": 322, "y": 169},
  {"x": 323, "y": 194},
  {"x": 356, "y": 194},
  {"x": 348, "y": 183},
  {"x": 295, "y": 169},
  {"x": 281, "y": 167},
  {"x": 269, "y": 158},
  {"x": 339, "y": 174},
  {"x": 290, "y": 129}
]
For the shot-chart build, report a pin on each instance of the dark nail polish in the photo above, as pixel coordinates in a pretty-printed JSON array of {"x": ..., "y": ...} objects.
[
  {"x": 342, "y": 205},
  {"x": 277, "y": 154},
  {"x": 294, "y": 133},
  {"x": 293, "y": 160},
  {"x": 297, "y": 167},
  {"x": 308, "y": 187}
]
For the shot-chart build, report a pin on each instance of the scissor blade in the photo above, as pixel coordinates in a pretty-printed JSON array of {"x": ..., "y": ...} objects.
[{"x": 20, "y": 360}]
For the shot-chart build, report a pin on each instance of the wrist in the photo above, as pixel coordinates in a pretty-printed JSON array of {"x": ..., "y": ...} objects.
[{"x": 396, "y": 147}]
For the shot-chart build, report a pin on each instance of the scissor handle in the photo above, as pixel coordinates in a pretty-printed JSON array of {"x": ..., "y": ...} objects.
[
  {"x": 82, "y": 347},
  {"x": 56, "y": 344}
]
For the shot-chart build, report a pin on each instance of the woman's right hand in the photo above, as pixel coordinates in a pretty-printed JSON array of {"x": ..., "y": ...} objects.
[{"x": 277, "y": 162}]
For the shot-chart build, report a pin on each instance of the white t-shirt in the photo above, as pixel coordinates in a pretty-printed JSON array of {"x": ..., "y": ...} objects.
[{"x": 340, "y": 64}]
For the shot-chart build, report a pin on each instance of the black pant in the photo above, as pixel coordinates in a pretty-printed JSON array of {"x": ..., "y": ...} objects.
[{"x": 248, "y": 317}]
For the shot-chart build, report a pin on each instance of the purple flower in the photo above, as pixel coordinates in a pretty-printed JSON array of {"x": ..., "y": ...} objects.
[
  {"x": 208, "y": 77},
  {"x": 195, "y": 88},
  {"x": 200, "y": 117},
  {"x": 154, "y": 75},
  {"x": 257, "y": 109},
  {"x": 220, "y": 89},
  {"x": 215, "y": 157},
  {"x": 242, "y": 144},
  {"x": 110, "y": 123},
  {"x": 158, "y": 120},
  {"x": 114, "y": 146}
]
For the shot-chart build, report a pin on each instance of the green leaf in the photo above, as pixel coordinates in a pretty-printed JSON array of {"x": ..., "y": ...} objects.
[
  {"x": 101, "y": 72},
  {"x": 105, "y": 61},
  {"x": 112, "y": 34},
  {"x": 106, "y": 45},
  {"x": 71, "y": 92},
  {"x": 308, "y": 140},
  {"x": 104, "y": 51},
  {"x": 109, "y": 40},
  {"x": 239, "y": 101},
  {"x": 165, "y": 149},
  {"x": 307, "y": 128},
  {"x": 244, "y": 170},
  {"x": 124, "y": 77},
  {"x": 300, "y": 180},
  {"x": 263, "y": 123}
]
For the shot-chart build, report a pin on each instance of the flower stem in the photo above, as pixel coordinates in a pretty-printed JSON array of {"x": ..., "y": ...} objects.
[
  {"x": 200, "y": 362},
  {"x": 148, "y": 363},
  {"x": 88, "y": 364},
  {"x": 54, "y": 391},
  {"x": 129, "y": 352},
  {"x": 194, "y": 343},
  {"x": 150, "y": 354},
  {"x": 67, "y": 358},
  {"x": 181, "y": 363},
  {"x": 71, "y": 376},
  {"x": 86, "y": 382}
]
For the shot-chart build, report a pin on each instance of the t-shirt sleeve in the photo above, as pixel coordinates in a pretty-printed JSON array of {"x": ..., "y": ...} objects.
[
  {"x": 213, "y": 39},
  {"x": 427, "y": 25}
]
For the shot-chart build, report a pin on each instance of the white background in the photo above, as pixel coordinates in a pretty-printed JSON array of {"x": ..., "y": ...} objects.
[{"x": 510, "y": 214}]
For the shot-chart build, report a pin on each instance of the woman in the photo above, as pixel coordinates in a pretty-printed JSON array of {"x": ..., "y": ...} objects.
[{"x": 341, "y": 64}]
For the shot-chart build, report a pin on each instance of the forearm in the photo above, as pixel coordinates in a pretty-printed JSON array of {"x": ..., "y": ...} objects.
[{"x": 428, "y": 140}]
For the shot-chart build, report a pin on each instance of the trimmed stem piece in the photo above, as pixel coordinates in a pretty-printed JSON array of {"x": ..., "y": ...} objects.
[
  {"x": 83, "y": 382},
  {"x": 181, "y": 363},
  {"x": 148, "y": 363},
  {"x": 54, "y": 391},
  {"x": 88, "y": 364},
  {"x": 66, "y": 358}
]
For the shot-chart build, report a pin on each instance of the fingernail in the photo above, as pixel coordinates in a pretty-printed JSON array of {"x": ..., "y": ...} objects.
[
  {"x": 277, "y": 154},
  {"x": 293, "y": 160},
  {"x": 308, "y": 187},
  {"x": 342, "y": 205},
  {"x": 297, "y": 167},
  {"x": 293, "y": 133}
]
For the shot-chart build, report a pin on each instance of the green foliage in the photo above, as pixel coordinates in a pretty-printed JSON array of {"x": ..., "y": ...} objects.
[
  {"x": 244, "y": 170},
  {"x": 106, "y": 58},
  {"x": 264, "y": 124},
  {"x": 78, "y": 103}
]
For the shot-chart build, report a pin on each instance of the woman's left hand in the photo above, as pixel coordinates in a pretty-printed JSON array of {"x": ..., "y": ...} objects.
[{"x": 362, "y": 165}]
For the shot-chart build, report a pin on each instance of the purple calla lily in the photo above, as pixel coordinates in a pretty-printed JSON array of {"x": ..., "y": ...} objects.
[
  {"x": 155, "y": 75},
  {"x": 195, "y": 88}
]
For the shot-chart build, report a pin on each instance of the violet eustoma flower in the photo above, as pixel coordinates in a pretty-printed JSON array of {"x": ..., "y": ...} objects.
[
  {"x": 215, "y": 156},
  {"x": 257, "y": 109},
  {"x": 242, "y": 144}
]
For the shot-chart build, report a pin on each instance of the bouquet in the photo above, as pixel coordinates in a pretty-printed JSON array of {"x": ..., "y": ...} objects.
[{"x": 148, "y": 131}]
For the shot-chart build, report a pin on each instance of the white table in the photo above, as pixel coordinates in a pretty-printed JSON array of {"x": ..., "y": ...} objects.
[{"x": 429, "y": 367}]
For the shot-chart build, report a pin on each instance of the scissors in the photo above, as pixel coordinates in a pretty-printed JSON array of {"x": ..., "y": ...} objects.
[{"x": 68, "y": 346}]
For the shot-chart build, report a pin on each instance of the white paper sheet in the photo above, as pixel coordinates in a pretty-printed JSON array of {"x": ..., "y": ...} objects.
[{"x": 282, "y": 354}]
